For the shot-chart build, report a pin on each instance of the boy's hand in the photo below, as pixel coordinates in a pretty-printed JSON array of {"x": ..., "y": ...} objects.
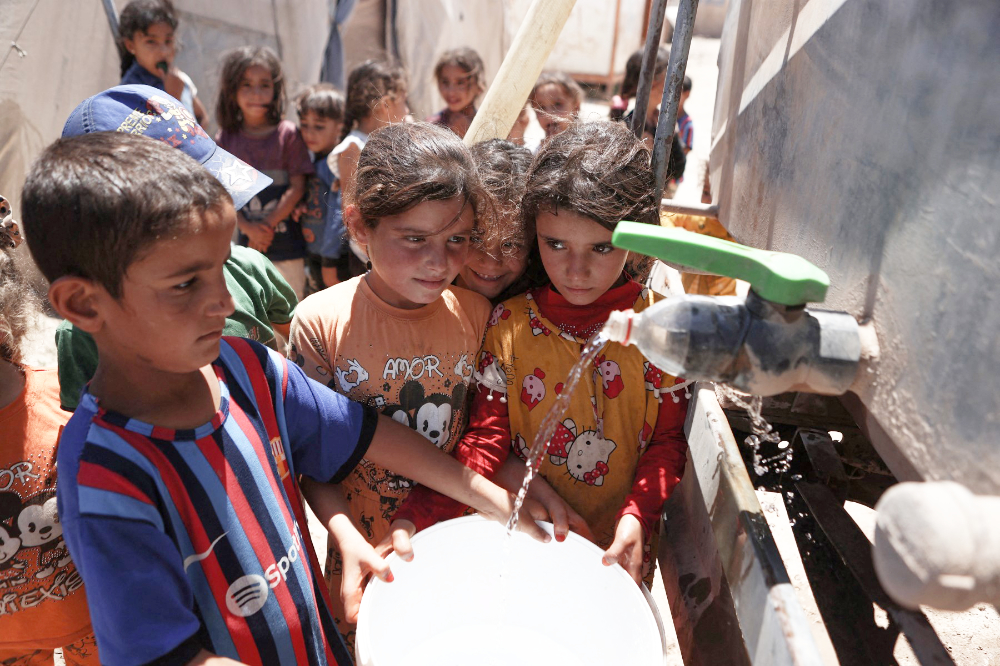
[
  {"x": 555, "y": 508},
  {"x": 361, "y": 561},
  {"x": 626, "y": 549}
]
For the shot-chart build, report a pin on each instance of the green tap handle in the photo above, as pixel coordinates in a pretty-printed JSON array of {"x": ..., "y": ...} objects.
[{"x": 779, "y": 277}]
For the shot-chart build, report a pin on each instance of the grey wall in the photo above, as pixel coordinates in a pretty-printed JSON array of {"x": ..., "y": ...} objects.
[{"x": 864, "y": 135}]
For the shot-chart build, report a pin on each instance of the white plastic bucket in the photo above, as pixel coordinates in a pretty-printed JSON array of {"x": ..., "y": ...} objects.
[{"x": 472, "y": 595}]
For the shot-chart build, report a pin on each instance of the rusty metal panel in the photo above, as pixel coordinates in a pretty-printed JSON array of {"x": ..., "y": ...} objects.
[{"x": 774, "y": 627}]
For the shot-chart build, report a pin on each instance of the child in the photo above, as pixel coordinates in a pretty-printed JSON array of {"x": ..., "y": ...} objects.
[
  {"x": 516, "y": 135},
  {"x": 147, "y": 50},
  {"x": 376, "y": 97},
  {"x": 685, "y": 127},
  {"x": 620, "y": 449},
  {"x": 500, "y": 249},
  {"x": 249, "y": 112},
  {"x": 399, "y": 337},
  {"x": 556, "y": 99},
  {"x": 630, "y": 85},
  {"x": 321, "y": 121},
  {"x": 460, "y": 80},
  {"x": 44, "y": 604},
  {"x": 178, "y": 495},
  {"x": 264, "y": 301}
]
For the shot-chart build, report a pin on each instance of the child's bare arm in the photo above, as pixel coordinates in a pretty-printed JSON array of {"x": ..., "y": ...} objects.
[
  {"x": 288, "y": 201},
  {"x": 360, "y": 560},
  {"x": 405, "y": 452}
]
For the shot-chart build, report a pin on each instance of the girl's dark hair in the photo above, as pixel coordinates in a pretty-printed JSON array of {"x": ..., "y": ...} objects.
[
  {"x": 323, "y": 99},
  {"x": 367, "y": 84},
  {"x": 630, "y": 82},
  {"x": 405, "y": 164},
  {"x": 18, "y": 306},
  {"x": 235, "y": 63},
  {"x": 137, "y": 16},
  {"x": 468, "y": 60},
  {"x": 561, "y": 79},
  {"x": 598, "y": 170},
  {"x": 503, "y": 169}
]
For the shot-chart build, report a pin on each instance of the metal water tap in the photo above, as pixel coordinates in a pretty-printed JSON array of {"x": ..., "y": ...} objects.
[{"x": 766, "y": 344}]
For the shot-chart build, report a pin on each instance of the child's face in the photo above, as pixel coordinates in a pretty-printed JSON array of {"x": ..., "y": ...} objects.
[
  {"x": 321, "y": 135},
  {"x": 174, "y": 300},
  {"x": 457, "y": 87},
  {"x": 415, "y": 255},
  {"x": 154, "y": 48},
  {"x": 555, "y": 108},
  {"x": 578, "y": 256},
  {"x": 392, "y": 108},
  {"x": 255, "y": 95},
  {"x": 492, "y": 268}
]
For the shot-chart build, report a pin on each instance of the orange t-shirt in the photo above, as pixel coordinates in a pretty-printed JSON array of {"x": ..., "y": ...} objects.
[{"x": 42, "y": 601}]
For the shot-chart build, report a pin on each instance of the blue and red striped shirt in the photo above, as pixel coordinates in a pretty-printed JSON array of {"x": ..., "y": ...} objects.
[{"x": 191, "y": 539}]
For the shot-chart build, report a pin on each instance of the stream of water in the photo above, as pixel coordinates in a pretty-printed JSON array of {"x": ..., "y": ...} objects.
[
  {"x": 762, "y": 431},
  {"x": 548, "y": 426}
]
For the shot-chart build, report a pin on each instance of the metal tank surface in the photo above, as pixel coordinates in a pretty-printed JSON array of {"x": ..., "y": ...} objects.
[{"x": 863, "y": 136}]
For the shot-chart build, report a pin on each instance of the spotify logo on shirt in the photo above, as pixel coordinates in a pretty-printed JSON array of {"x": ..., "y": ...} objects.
[{"x": 247, "y": 595}]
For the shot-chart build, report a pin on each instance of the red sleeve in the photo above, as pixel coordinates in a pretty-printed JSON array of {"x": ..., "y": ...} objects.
[
  {"x": 660, "y": 466},
  {"x": 484, "y": 448}
]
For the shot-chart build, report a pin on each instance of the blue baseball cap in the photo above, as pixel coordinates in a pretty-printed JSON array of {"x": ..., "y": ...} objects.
[{"x": 148, "y": 111}]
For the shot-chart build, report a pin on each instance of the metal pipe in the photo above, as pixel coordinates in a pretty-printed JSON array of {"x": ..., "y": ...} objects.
[
  {"x": 702, "y": 210},
  {"x": 112, "y": 13},
  {"x": 520, "y": 69},
  {"x": 686, "y": 12},
  {"x": 656, "y": 13}
]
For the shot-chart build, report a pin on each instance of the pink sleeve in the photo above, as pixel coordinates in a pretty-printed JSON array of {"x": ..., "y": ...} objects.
[{"x": 660, "y": 466}]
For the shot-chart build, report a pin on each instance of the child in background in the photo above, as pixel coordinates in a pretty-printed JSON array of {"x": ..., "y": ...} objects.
[
  {"x": 147, "y": 48},
  {"x": 400, "y": 338},
  {"x": 630, "y": 86},
  {"x": 620, "y": 451},
  {"x": 321, "y": 121},
  {"x": 556, "y": 99},
  {"x": 460, "y": 79},
  {"x": 502, "y": 244},
  {"x": 264, "y": 301},
  {"x": 376, "y": 97},
  {"x": 44, "y": 604},
  {"x": 249, "y": 113},
  {"x": 178, "y": 495},
  {"x": 685, "y": 127}
]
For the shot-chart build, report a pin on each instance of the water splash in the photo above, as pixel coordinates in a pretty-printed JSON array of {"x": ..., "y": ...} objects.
[
  {"x": 761, "y": 430},
  {"x": 548, "y": 426}
]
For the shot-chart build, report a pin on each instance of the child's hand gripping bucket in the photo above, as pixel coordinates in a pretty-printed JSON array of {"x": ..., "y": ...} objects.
[{"x": 473, "y": 596}]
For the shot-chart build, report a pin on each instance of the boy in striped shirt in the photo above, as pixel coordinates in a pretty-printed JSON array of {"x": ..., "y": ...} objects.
[{"x": 178, "y": 494}]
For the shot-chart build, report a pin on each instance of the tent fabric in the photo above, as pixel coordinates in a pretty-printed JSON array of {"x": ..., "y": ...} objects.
[
  {"x": 69, "y": 55},
  {"x": 333, "y": 57}
]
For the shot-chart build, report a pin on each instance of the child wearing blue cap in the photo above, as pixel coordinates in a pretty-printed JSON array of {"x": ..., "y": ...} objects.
[
  {"x": 264, "y": 302},
  {"x": 147, "y": 48},
  {"x": 179, "y": 498}
]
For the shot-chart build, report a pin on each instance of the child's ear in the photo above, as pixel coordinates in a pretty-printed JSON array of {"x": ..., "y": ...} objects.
[
  {"x": 356, "y": 224},
  {"x": 129, "y": 45},
  {"x": 76, "y": 300}
]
